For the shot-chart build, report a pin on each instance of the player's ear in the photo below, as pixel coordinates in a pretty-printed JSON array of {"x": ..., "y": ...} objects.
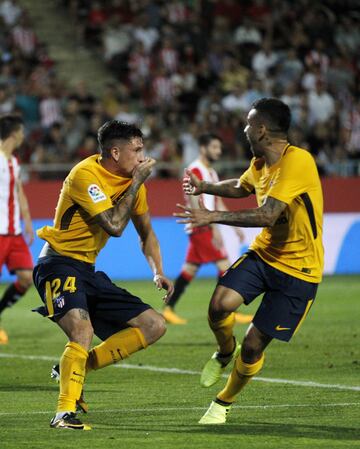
[
  {"x": 115, "y": 153},
  {"x": 261, "y": 132}
]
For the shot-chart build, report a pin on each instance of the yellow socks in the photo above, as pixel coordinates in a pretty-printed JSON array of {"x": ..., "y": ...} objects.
[
  {"x": 115, "y": 348},
  {"x": 72, "y": 375},
  {"x": 241, "y": 374},
  {"x": 223, "y": 331}
]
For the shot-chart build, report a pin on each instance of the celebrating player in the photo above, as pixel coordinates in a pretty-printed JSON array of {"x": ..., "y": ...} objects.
[
  {"x": 14, "y": 251},
  {"x": 285, "y": 260},
  {"x": 99, "y": 197},
  {"x": 205, "y": 243}
]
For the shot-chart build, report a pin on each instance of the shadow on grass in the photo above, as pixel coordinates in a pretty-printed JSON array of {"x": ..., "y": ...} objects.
[
  {"x": 188, "y": 344},
  {"x": 259, "y": 429},
  {"x": 24, "y": 387}
]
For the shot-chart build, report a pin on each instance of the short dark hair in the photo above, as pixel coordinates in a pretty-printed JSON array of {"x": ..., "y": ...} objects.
[
  {"x": 275, "y": 113},
  {"x": 116, "y": 130},
  {"x": 8, "y": 124},
  {"x": 205, "y": 139}
]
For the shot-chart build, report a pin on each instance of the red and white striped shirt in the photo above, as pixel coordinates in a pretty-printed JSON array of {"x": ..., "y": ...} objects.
[
  {"x": 163, "y": 90},
  {"x": 24, "y": 39},
  {"x": 9, "y": 197},
  {"x": 207, "y": 174}
]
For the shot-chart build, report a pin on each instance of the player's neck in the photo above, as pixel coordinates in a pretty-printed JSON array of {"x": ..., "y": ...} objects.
[
  {"x": 274, "y": 152},
  {"x": 204, "y": 160},
  {"x": 7, "y": 148}
]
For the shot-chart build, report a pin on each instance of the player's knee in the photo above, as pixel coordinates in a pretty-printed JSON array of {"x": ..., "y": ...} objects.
[
  {"x": 223, "y": 302},
  {"x": 251, "y": 349},
  {"x": 219, "y": 308},
  {"x": 25, "y": 279},
  {"x": 155, "y": 329}
]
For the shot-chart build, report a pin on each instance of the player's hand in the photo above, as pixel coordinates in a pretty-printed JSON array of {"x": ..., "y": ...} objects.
[
  {"x": 191, "y": 183},
  {"x": 29, "y": 232},
  {"x": 144, "y": 169},
  {"x": 163, "y": 282},
  {"x": 194, "y": 217}
]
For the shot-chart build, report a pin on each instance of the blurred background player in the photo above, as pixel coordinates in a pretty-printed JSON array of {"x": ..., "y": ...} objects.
[
  {"x": 14, "y": 251},
  {"x": 205, "y": 244}
]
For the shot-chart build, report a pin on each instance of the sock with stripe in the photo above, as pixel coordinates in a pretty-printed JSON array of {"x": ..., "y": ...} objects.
[
  {"x": 12, "y": 294},
  {"x": 72, "y": 375},
  {"x": 241, "y": 374},
  {"x": 115, "y": 348},
  {"x": 180, "y": 285}
]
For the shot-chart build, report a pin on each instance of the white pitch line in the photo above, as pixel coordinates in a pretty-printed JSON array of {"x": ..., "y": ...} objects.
[
  {"x": 158, "y": 369},
  {"x": 193, "y": 408},
  {"x": 299, "y": 383}
]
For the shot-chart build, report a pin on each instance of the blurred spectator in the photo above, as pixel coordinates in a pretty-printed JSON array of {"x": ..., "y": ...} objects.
[
  {"x": 263, "y": 60},
  {"x": 351, "y": 131},
  {"x": 247, "y": 34},
  {"x": 10, "y": 12},
  {"x": 28, "y": 103},
  {"x": 144, "y": 33},
  {"x": 7, "y": 100},
  {"x": 50, "y": 108},
  {"x": 88, "y": 147},
  {"x": 85, "y": 99},
  {"x": 235, "y": 100},
  {"x": 24, "y": 37},
  {"x": 321, "y": 104}
]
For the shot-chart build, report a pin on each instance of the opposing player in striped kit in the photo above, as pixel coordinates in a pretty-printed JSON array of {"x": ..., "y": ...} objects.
[
  {"x": 14, "y": 250},
  {"x": 205, "y": 243}
]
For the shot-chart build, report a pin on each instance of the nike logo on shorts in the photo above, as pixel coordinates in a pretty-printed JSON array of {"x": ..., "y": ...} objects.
[{"x": 280, "y": 328}]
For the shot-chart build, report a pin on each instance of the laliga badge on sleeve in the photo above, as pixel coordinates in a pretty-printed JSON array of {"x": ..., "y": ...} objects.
[{"x": 95, "y": 193}]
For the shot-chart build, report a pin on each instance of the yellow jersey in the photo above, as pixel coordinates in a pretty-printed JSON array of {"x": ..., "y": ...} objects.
[
  {"x": 88, "y": 190},
  {"x": 294, "y": 244}
]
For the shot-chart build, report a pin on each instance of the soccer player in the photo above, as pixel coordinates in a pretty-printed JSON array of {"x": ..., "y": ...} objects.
[
  {"x": 14, "y": 250},
  {"x": 205, "y": 243},
  {"x": 285, "y": 261},
  {"x": 99, "y": 197}
]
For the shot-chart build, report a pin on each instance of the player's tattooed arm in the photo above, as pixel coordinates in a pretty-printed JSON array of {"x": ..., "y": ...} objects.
[
  {"x": 230, "y": 188},
  {"x": 263, "y": 216},
  {"x": 114, "y": 220}
]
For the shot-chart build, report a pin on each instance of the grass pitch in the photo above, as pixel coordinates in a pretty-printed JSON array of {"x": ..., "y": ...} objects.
[{"x": 307, "y": 395}]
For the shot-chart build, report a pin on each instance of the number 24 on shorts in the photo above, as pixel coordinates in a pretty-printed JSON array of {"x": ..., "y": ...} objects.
[{"x": 53, "y": 287}]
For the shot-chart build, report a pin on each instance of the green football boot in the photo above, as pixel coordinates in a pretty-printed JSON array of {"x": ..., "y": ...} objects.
[
  {"x": 215, "y": 414},
  {"x": 214, "y": 368}
]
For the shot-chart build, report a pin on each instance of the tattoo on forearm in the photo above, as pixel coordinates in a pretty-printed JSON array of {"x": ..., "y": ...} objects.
[
  {"x": 265, "y": 215},
  {"x": 114, "y": 220},
  {"x": 227, "y": 189}
]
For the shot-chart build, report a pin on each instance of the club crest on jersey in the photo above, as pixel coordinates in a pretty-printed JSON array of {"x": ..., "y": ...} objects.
[
  {"x": 59, "y": 301},
  {"x": 96, "y": 194}
]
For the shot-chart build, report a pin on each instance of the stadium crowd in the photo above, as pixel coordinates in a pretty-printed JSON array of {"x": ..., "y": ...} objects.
[{"x": 182, "y": 68}]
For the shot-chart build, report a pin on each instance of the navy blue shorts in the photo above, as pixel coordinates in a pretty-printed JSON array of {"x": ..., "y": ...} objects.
[
  {"x": 65, "y": 283},
  {"x": 286, "y": 301}
]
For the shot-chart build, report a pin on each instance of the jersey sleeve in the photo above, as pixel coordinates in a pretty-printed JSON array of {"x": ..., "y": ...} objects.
[
  {"x": 197, "y": 173},
  {"x": 294, "y": 177},
  {"x": 246, "y": 180},
  {"x": 86, "y": 191}
]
